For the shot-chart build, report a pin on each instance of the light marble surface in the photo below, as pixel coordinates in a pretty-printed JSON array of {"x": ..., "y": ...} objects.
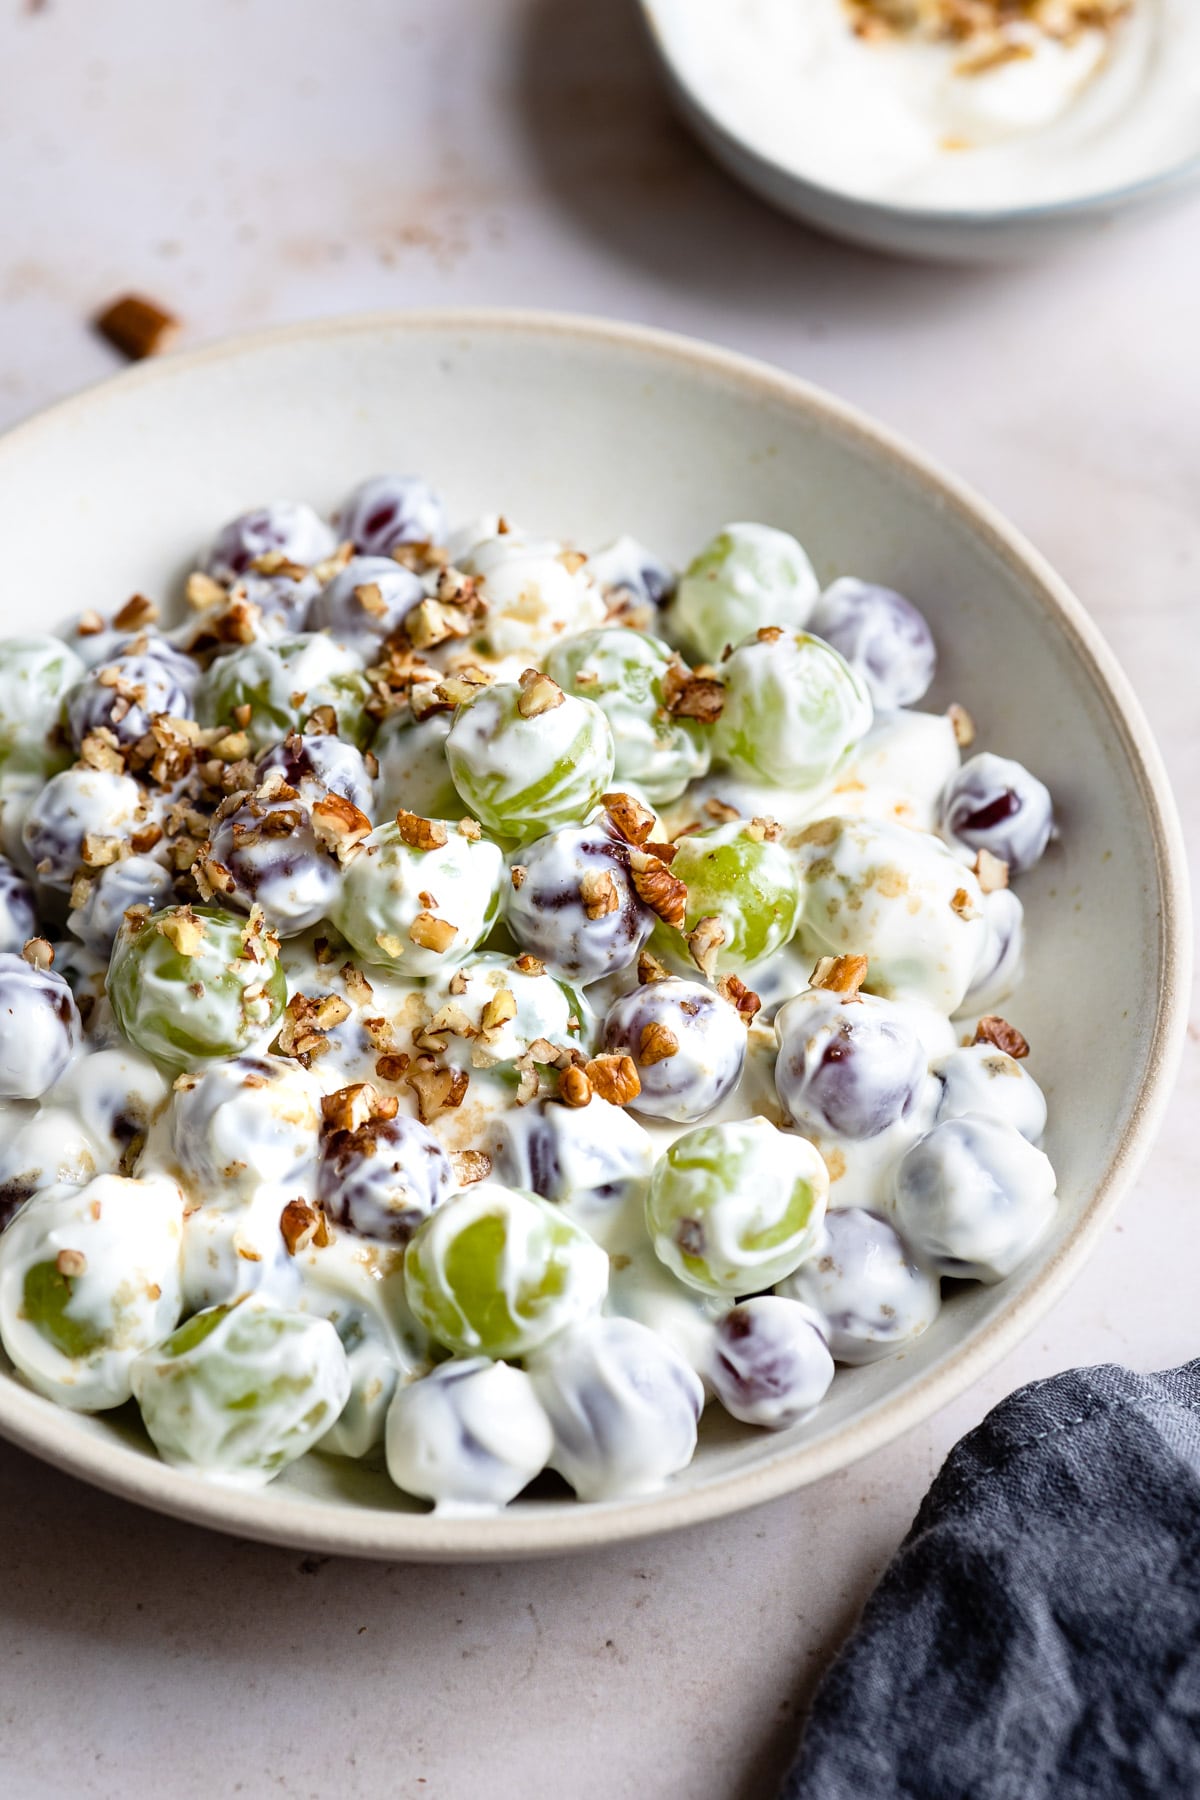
[{"x": 250, "y": 161}]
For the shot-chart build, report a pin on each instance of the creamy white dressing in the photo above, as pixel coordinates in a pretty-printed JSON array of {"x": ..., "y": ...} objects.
[{"x": 896, "y": 119}]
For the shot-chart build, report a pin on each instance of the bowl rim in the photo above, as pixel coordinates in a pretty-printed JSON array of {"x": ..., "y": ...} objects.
[
  {"x": 273, "y": 1515},
  {"x": 866, "y": 208}
]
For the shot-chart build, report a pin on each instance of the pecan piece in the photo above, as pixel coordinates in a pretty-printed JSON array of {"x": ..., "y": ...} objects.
[
  {"x": 963, "y": 724},
  {"x": 704, "y": 943},
  {"x": 994, "y": 1030},
  {"x": 432, "y": 933},
  {"x": 614, "y": 1078},
  {"x": 630, "y": 819},
  {"x": 991, "y": 872},
  {"x": 841, "y": 975},
  {"x": 657, "y": 888},
  {"x": 302, "y": 1226},
  {"x": 656, "y": 1044},
  {"x": 339, "y": 826},
  {"x": 419, "y": 833},
  {"x": 574, "y": 1088},
  {"x": 137, "y": 327},
  {"x": 539, "y": 694},
  {"x": 690, "y": 696},
  {"x": 743, "y": 999},
  {"x": 598, "y": 891}
]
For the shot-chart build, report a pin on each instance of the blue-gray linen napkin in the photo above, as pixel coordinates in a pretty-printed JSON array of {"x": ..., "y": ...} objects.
[{"x": 1037, "y": 1636}]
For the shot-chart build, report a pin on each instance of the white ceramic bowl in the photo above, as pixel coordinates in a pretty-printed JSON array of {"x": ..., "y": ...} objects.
[
  {"x": 588, "y": 429},
  {"x": 996, "y": 234}
]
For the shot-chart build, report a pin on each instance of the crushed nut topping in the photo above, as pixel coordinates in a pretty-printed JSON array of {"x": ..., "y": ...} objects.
[
  {"x": 704, "y": 944},
  {"x": 432, "y": 933},
  {"x": 38, "y": 953},
  {"x": 518, "y": 875},
  {"x": 303, "y": 1227},
  {"x": 498, "y": 1010},
  {"x": 138, "y": 327},
  {"x": 419, "y": 833},
  {"x": 614, "y": 1078},
  {"x": 354, "y": 1106},
  {"x": 529, "y": 965},
  {"x": 183, "y": 931},
  {"x": 960, "y": 903},
  {"x": 136, "y": 612},
  {"x": 991, "y": 872},
  {"x": 650, "y": 969},
  {"x": 437, "y": 1089},
  {"x": 991, "y": 1029},
  {"x": 691, "y": 696},
  {"x": 764, "y": 831},
  {"x": 743, "y": 999},
  {"x": 71, "y": 1263},
  {"x": 721, "y": 811},
  {"x": 841, "y": 975},
  {"x": 963, "y": 725},
  {"x": 470, "y": 1166},
  {"x": 574, "y": 1088},
  {"x": 598, "y": 891},
  {"x": 539, "y": 694},
  {"x": 306, "y": 1020},
  {"x": 656, "y": 1044},
  {"x": 657, "y": 888},
  {"x": 629, "y": 818}
]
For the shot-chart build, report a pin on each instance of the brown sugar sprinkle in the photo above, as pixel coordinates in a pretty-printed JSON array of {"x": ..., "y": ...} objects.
[
  {"x": 419, "y": 833},
  {"x": 303, "y": 1227},
  {"x": 656, "y": 1044},
  {"x": 657, "y": 888},
  {"x": 614, "y": 1078},
  {"x": 138, "y": 327},
  {"x": 743, "y": 999},
  {"x": 629, "y": 818},
  {"x": 841, "y": 975},
  {"x": 691, "y": 696},
  {"x": 994, "y": 1030}
]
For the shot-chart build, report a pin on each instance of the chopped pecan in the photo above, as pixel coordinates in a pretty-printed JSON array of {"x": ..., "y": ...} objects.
[
  {"x": 764, "y": 830},
  {"x": 690, "y": 696},
  {"x": 357, "y": 1105},
  {"x": 183, "y": 931},
  {"x": 841, "y": 975},
  {"x": 960, "y": 903},
  {"x": 202, "y": 591},
  {"x": 529, "y": 965},
  {"x": 98, "y": 851},
  {"x": 71, "y": 1263},
  {"x": 470, "y": 1165},
  {"x": 137, "y": 327},
  {"x": 574, "y": 1088},
  {"x": 339, "y": 826},
  {"x": 598, "y": 891},
  {"x": 630, "y": 819},
  {"x": 991, "y": 872},
  {"x": 432, "y": 933},
  {"x": 657, "y": 888},
  {"x": 471, "y": 829},
  {"x": 991, "y": 1029},
  {"x": 650, "y": 969},
  {"x": 89, "y": 623},
  {"x": 392, "y": 1067},
  {"x": 419, "y": 833},
  {"x": 136, "y": 612},
  {"x": 517, "y": 875},
  {"x": 539, "y": 694},
  {"x": 614, "y": 1078},
  {"x": 963, "y": 724},
  {"x": 656, "y": 1044},
  {"x": 38, "y": 953},
  {"x": 369, "y": 595},
  {"x": 101, "y": 750},
  {"x": 436, "y": 1088},
  {"x": 704, "y": 943},
  {"x": 431, "y": 622},
  {"x": 719, "y": 810},
  {"x": 498, "y": 1010},
  {"x": 303, "y": 1226},
  {"x": 356, "y": 984},
  {"x": 743, "y": 999}
]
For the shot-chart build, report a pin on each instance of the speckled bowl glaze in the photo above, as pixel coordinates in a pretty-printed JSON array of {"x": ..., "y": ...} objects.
[
  {"x": 589, "y": 429},
  {"x": 934, "y": 234}
]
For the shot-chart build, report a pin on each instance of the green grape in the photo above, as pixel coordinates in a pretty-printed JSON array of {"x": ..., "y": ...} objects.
[
  {"x": 412, "y": 767},
  {"x": 46, "y": 1297},
  {"x": 383, "y": 909},
  {"x": 735, "y": 1207},
  {"x": 241, "y": 1391},
  {"x": 624, "y": 671},
  {"x": 747, "y": 577},
  {"x": 283, "y": 684},
  {"x": 525, "y": 771},
  {"x": 35, "y": 676},
  {"x": 190, "y": 983},
  {"x": 497, "y": 1270},
  {"x": 793, "y": 708},
  {"x": 740, "y": 875}
]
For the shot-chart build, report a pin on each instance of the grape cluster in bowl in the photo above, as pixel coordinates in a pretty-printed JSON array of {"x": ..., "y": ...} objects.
[{"x": 474, "y": 1003}]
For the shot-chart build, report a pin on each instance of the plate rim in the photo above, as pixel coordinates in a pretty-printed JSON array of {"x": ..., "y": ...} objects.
[{"x": 273, "y": 1515}]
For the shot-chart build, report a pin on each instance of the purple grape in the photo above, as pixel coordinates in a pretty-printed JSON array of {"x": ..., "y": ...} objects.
[
  {"x": 124, "y": 695},
  {"x": 627, "y": 571},
  {"x": 40, "y": 1028},
  {"x": 269, "y": 855},
  {"x": 997, "y": 805},
  {"x": 881, "y": 635},
  {"x": 184, "y": 669},
  {"x": 381, "y": 1180},
  {"x": 282, "y": 600},
  {"x": 847, "y": 1068},
  {"x": 133, "y": 881},
  {"x": 771, "y": 1366},
  {"x": 387, "y": 510},
  {"x": 709, "y": 1039},
  {"x": 321, "y": 764},
  {"x": 75, "y": 804},
  {"x": 391, "y": 593},
  {"x": 286, "y": 527},
  {"x": 865, "y": 1286},
  {"x": 560, "y": 876},
  {"x": 564, "y": 1152},
  {"x": 18, "y": 916}
]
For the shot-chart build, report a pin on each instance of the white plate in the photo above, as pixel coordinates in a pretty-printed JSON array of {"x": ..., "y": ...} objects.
[
  {"x": 995, "y": 234},
  {"x": 589, "y": 429}
]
